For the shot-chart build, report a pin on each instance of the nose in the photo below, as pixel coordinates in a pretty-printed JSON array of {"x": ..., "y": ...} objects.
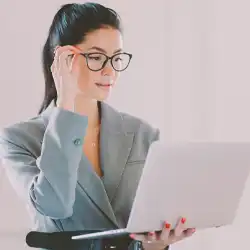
[{"x": 108, "y": 69}]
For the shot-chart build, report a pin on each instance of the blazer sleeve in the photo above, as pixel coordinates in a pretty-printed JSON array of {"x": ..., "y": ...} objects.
[{"x": 49, "y": 181}]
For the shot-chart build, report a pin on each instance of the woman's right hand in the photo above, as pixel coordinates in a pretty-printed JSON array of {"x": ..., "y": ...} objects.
[
  {"x": 65, "y": 80},
  {"x": 66, "y": 77}
]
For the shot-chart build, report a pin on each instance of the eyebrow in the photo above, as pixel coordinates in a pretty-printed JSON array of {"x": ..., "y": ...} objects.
[{"x": 103, "y": 50}]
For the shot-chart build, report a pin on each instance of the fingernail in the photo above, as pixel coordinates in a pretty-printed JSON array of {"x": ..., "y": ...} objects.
[
  {"x": 132, "y": 236},
  {"x": 193, "y": 230},
  {"x": 167, "y": 225},
  {"x": 151, "y": 233},
  {"x": 183, "y": 220}
]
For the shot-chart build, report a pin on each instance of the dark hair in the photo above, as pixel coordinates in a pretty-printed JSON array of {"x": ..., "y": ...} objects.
[{"x": 70, "y": 25}]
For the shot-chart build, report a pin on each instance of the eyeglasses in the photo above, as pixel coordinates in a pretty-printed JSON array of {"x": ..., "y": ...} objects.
[{"x": 97, "y": 61}]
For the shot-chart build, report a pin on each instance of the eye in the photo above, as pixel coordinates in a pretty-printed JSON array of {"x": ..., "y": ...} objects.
[
  {"x": 118, "y": 59},
  {"x": 95, "y": 58}
]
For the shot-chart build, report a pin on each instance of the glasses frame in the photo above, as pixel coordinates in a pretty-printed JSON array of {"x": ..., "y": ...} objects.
[{"x": 86, "y": 55}]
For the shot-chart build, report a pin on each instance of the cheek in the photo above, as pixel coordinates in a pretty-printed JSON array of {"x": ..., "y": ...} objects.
[{"x": 116, "y": 77}]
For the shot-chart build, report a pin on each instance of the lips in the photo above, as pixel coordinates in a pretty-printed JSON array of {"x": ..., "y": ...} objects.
[{"x": 104, "y": 84}]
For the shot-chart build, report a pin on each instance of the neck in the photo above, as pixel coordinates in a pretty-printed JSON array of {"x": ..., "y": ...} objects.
[
  {"x": 93, "y": 116},
  {"x": 89, "y": 108}
]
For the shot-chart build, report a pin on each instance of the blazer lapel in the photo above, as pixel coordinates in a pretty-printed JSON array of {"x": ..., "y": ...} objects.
[
  {"x": 115, "y": 146},
  {"x": 92, "y": 185},
  {"x": 116, "y": 143}
]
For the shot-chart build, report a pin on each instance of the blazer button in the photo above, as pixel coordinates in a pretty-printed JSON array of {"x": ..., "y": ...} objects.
[{"x": 78, "y": 142}]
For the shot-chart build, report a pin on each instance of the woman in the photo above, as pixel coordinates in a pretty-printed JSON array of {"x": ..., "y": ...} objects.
[{"x": 71, "y": 163}]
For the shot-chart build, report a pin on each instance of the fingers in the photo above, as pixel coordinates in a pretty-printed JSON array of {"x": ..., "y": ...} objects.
[
  {"x": 165, "y": 232},
  {"x": 60, "y": 49},
  {"x": 61, "y": 55},
  {"x": 63, "y": 62},
  {"x": 167, "y": 235},
  {"x": 61, "y": 66},
  {"x": 139, "y": 237},
  {"x": 148, "y": 239},
  {"x": 151, "y": 237},
  {"x": 72, "y": 62},
  {"x": 180, "y": 227},
  {"x": 189, "y": 232},
  {"x": 61, "y": 58}
]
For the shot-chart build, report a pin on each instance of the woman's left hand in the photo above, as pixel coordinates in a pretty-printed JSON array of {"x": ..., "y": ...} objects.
[{"x": 154, "y": 241}]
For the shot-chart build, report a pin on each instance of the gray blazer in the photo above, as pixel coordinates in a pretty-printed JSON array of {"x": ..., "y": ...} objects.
[{"x": 45, "y": 163}]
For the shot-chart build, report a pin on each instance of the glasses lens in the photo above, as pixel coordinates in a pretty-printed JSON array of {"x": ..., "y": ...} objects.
[
  {"x": 120, "y": 61},
  {"x": 96, "y": 61}
]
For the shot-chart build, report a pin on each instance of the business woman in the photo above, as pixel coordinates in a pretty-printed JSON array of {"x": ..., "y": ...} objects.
[{"x": 78, "y": 162}]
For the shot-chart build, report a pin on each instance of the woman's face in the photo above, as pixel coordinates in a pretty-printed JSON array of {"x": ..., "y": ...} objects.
[{"x": 98, "y": 84}]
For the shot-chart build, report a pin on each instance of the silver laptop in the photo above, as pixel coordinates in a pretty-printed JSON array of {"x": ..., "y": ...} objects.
[{"x": 202, "y": 181}]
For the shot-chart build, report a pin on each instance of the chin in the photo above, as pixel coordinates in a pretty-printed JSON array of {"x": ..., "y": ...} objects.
[{"x": 103, "y": 96}]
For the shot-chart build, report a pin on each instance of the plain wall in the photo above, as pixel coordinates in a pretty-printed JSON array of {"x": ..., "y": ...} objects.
[{"x": 189, "y": 76}]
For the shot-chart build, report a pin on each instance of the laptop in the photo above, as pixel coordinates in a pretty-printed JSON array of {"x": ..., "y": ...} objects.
[{"x": 202, "y": 181}]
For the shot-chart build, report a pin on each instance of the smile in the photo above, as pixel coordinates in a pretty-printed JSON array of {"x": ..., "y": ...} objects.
[{"x": 103, "y": 85}]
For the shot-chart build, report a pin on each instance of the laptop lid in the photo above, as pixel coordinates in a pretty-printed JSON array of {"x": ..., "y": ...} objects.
[{"x": 202, "y": 181}]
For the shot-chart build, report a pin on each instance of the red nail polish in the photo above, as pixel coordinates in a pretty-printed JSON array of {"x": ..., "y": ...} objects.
[
  {"x": 151, "y": 233},
  {"x": 167, "y": 225},
  {"x": 183, "y": 220}
]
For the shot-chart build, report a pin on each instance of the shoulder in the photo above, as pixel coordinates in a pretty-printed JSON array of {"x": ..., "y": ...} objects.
[
  {"x": 143, "y": 130},
  {"x": 144, "y": 135},
  {"x": 23, "y": 135},
  {"x": 116, "y": 120}
]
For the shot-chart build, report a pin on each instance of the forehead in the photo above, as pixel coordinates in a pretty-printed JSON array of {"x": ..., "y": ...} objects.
[{"x": 106, "y": 38}]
